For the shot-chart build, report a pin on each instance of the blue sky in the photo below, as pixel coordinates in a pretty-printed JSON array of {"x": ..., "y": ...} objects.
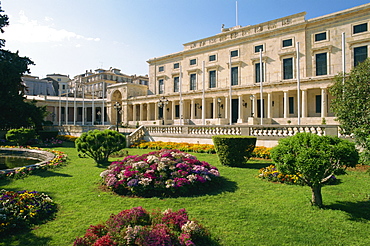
[{"x": 71, "y": 36}]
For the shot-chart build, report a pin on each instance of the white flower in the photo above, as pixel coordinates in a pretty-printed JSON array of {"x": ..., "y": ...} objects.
[
  {"x": 131, "y": 233},
  {"x": 140, "y": 164},
  {"x": 214, "y": 172},
  {"x": 190, "y": 226},
  {"x": 192, "y": 177},
  {"x": 161, "y": 166},
  {"x": 170, "y": 183},
  {"x": 104, "y": 173},
  {"x": 151, "y": 158},
  {"x": 145, "y": 181}
]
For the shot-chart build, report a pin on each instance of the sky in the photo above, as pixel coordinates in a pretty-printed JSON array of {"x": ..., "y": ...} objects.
[{"x": 71, "y": 36}]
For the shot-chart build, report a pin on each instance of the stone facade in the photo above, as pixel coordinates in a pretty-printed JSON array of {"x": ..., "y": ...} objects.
[{"x": 193, "y": 86}]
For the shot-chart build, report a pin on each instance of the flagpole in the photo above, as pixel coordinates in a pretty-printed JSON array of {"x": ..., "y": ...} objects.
[
  {"x": 261, "y": 87},
  {"x": 230, "y": 94},
  {"x": 298, "y": 86},
  {"x": 181, "y": 104},
  {"x": 203, "y": 96}
]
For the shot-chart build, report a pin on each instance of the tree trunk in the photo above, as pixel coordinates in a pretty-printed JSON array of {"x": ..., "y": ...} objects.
[{"x": 316, "y": 196}]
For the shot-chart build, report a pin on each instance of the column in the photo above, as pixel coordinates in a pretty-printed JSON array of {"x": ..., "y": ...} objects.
[
  {"x": 148, "y": 112},
  {"x": 173, "y": 111},
  {"x": 254, "y": 106},
  {"x": 304, "y": 103},
  {"x": 241, "y": 109},
  {"x": 215, "y": 113},
  {"x": 192, "y": 111},
  {"x": 227, "y": 107},
  {"x": 269, "y": 96},
  {"x": 324, "y": 104},
  {"x": 165, "y": 112},
  {"x": 141, "y": 113},
  {"x": 134, "y": 112},
  {"x": 155, "y": 111},
  {"x": 286, "y": 104}
]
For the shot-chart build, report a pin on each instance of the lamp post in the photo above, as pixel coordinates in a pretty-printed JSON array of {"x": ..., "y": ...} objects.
[
  {"x": 219, "y": 107},
  {"x": 161, "y": 104},
  {"x": 99, "y": 117},
  {"x": 117, "y": 106}
]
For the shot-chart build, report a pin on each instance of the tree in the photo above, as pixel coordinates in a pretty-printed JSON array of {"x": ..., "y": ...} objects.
[
  {"x": 15, "y": 111},
  {"x": 351, "y": 105},
  {"x": 98, "y": 145},
  {"x": 314, "y": 159}
]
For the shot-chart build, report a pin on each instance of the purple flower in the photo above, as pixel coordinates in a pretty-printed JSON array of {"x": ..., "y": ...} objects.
[{"x": 132, "y": 182}]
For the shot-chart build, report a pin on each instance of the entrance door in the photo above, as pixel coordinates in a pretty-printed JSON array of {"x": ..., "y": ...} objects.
[{"x": 234, "y": 110}]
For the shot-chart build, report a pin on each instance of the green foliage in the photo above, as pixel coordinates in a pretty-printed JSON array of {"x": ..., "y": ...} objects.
[
  {"x": 351, "y": 104},
  {"x": 43, "y": 135},
  {"x": 20, "y": 136},
  {"x": 98, "y": 145},
  {"x": 314, "y": 159},
  {"x": 234, "y": 150}
]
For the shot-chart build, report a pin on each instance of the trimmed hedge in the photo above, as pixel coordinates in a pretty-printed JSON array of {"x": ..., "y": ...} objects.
[
  {"x": 43, "y": 135},
  {"x": 233, "y": 150}
]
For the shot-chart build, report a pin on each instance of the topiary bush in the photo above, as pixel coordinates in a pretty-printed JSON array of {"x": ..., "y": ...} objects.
[
  {"x": 98, "y": 145},
  {"x": 20, "y": 136},
  {"x": 314, "y": 159},
  {"x": 233, "y": 150},
  {"x": 164, "y": 173}
]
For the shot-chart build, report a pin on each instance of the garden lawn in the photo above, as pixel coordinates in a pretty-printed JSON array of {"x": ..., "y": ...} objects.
[{"x": 246, "y": 211}]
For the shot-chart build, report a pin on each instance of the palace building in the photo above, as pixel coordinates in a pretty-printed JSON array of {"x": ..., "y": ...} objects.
[{"x": 277, "y": 72}]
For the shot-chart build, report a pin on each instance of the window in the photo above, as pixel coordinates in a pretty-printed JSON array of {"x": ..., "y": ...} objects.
[
  {"x": 318, "y": 104},
  {"x": 287, "y": 42},
  {"x": 193, "y": 81},
  {"x": 320, "y": 36},
  {"x": 258, "y": 48},
  {"x": 234, "y": 53},
  {"x": 258, "y": 73},
  {"x": 321, "y": 64},
  {"x": 176, "y": 84},
  {"x": 161, "y": 86},
  {"x": 359, "y": 54},
  {"x": 176, "y": 65},
  {"x": 360, "y": 28},
  {"x": 234, "y": 76},
  {"x": 212, "y": 58},
  {"x": 161, "y": 69},
  {"x": 193, "y": 61},
  {"x": 212, "y": 79},
  {"x": 288, "y": 68},
  {"x": 63, "y": 87},
  {"x": 59, "y": 79},
  {"x": 291, "y": 105}
]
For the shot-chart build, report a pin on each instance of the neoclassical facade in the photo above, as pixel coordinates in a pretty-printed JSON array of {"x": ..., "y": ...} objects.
[{"x": 277, "y": 72}]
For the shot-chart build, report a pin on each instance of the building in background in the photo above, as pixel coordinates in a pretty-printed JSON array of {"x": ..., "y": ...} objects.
[{"x": 277, "y": 72}]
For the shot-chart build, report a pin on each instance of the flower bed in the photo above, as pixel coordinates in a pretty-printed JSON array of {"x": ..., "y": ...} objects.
[
  {"x": 59, "y": 159},
  {"x": 258, "y": 152},
  {"x": 136, "y": 226},
  {"x": 24, "y": 208},
  {"x": 272, "y": 174},
  {"x": 160, "y": 173},
  {"x": 67, "y": 138}
]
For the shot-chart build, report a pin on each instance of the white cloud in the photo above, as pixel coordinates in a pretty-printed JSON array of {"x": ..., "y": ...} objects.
[{"x": 31, "y": 31}]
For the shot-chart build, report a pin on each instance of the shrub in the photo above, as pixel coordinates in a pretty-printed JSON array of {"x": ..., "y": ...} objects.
[
  {"x": 314, "y": 159},
  {"x": 160, "y": 173},
  {"x": 136, "y": 226},
  {"x": 20, "y": 209},
  {"x": 98, "y": 145},
  {"x": 20, "y": 136},
  {"x": 234, "y": 150}
]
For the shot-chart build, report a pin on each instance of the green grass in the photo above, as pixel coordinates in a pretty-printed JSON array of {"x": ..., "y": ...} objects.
[{"x": 246, "y": 211}]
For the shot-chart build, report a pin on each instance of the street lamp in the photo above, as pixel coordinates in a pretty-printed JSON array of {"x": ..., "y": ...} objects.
[
  {"x": 162, "y": 103},
  {"x": 99, "y": 117},
  {"x": 117, "y": 106},
  {"x": 219, "y": 107}
]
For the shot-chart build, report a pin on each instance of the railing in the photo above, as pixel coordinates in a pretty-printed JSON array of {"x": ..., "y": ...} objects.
[
  {"x": 248, "y": 130},
  {"x": 285, "y": 131},
  {"x": 137, "y": 135}
]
